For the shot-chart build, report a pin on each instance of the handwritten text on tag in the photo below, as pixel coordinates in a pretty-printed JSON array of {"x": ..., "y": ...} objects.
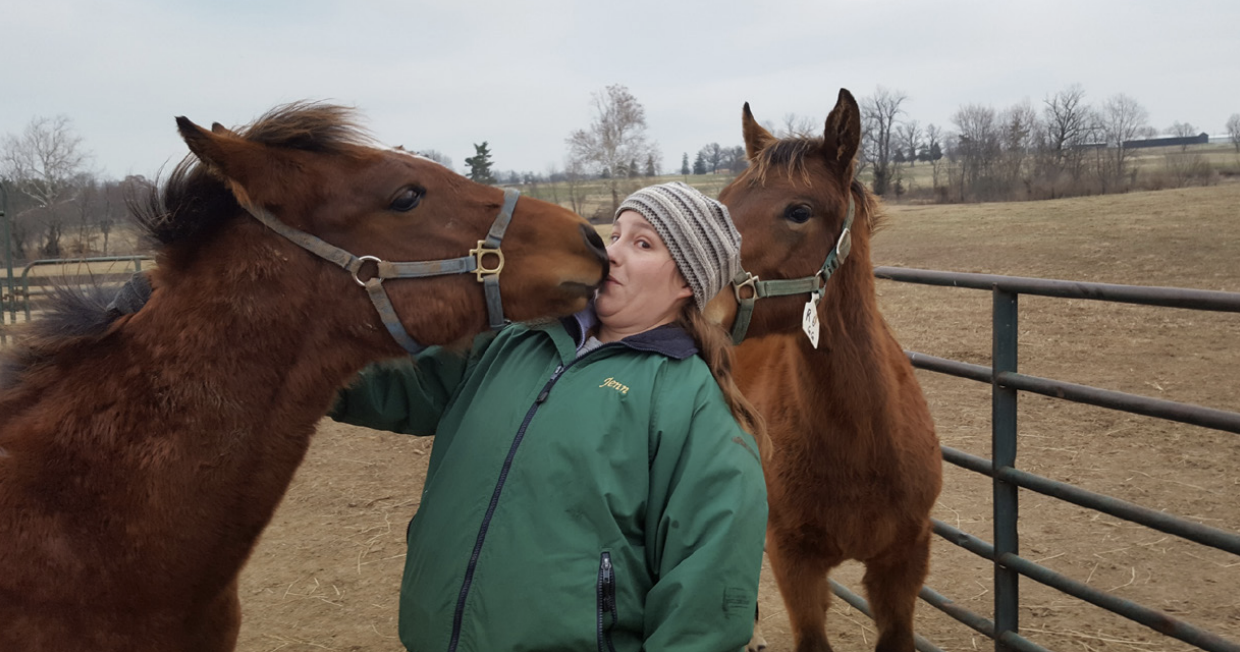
[{"x": 809, "y": 322}]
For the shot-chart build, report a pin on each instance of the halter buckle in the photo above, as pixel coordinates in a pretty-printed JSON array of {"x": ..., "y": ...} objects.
[
  {"x": 360, "y": 261},
  {"x": 479, "y": 252},
  {"x": 750, "y": 282}
]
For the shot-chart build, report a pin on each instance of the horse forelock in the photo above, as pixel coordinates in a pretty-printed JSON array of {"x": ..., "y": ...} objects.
[
  {"x": 790, "y": 157},
  {"x": 787, "y": 156}
]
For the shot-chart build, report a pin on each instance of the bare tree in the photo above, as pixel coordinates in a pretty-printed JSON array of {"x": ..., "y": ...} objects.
[
  {"x": 553, "y": 175},
  {"x": 878, "y": 121},
  {"x": 1182, "y": 130},
  {"x": 713, "y": 154},
  {"x": 978, "y": 147},
  {"x": 798, "y": 126},
  {"x": 1233, "y": 130},
  {"x": 437, "y": 156},
  {"x": 934, "y": 153},
  {"x": 1020, "y": 131},
  {"x": 1068, "y": 121},
  {"x": 909, "y": 137},
  {"x": 42, "y": 163},
  {"x": 615, "y": 138},
  {"x": 574, "y": 179},
  {"x": 1122, "y": 119}
]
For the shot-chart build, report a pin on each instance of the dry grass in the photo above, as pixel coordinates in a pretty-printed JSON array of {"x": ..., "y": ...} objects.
[
  {"x": 327, "y": 571},
  {"x": 326, "y": 574}
]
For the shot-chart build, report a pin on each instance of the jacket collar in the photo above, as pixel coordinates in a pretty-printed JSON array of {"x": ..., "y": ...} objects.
[{"x": 669, "y": 339}]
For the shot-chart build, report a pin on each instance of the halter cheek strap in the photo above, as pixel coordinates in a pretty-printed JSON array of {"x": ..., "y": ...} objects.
[
  {"x": 749, "y": 288},
  {"x": 475, "y": 262}
]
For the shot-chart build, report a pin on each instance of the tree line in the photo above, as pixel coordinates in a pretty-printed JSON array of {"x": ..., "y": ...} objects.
[{"x": 1063, "y": 146}]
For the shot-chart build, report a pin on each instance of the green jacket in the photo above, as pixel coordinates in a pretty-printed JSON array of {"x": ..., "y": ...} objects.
[{"x": 606, "y": 502}]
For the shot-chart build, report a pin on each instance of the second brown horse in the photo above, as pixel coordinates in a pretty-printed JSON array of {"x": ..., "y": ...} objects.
[{"x": 855, "y": 466}]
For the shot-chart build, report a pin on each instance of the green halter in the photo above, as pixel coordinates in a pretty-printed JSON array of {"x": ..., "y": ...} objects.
[{"x": 811, "y": 285}]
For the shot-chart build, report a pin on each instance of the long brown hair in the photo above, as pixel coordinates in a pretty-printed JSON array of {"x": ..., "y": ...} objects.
[{"x": 715, "y": 346}]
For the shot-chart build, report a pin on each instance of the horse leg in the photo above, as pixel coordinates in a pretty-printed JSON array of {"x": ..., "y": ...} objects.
[
  {"x": 892, "y": 581},
  {"x": 217, "y": 625},
  {"x": 802, "y": 580}
]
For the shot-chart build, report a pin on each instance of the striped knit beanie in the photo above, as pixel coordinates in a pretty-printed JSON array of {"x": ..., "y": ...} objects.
[{"x": 698, "y": 232}]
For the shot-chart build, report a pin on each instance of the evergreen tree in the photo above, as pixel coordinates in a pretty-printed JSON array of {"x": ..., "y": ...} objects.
[
  {"x": 684, "y": 164},
  {"x": 699, "y": 164},
  {"x": 480, "y": 164},
  {"x": 650, "y": 171}
]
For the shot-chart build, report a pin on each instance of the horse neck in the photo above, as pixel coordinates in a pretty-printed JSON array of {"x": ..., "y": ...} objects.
[
  {"x": 848, "y": 313},
  {"x": 853, "y": 338},
  {"x": 245, "y": 353}
]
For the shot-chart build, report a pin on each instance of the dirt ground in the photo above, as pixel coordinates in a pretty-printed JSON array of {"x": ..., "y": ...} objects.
[{"x": 326, "y": 573}]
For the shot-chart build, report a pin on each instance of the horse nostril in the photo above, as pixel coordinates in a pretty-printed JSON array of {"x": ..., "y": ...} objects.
[
  {"x": 594, "y": 239},
  {"x": 595, "y": 242}
]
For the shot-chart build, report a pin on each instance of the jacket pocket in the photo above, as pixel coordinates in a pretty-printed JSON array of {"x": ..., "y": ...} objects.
[{"x": 607, "y": 615}]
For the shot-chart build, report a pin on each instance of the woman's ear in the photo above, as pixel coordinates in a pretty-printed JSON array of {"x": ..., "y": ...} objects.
[{"x": 685, "y": 291}]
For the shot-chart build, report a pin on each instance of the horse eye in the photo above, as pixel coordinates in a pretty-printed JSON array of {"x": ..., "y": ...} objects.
[
  {"x": 407, "y": 200},
  {"x": 799, "y": 213}
]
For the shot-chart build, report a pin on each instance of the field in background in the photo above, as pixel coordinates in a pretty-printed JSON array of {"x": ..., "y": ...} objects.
[
  {"x": 1156, "y": 167},
  {"x": 326, "y": 574}
]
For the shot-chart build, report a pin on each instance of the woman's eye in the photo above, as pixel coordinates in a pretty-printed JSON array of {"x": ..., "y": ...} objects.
[
  {"x": 799, "y": 213},
  {"x": 407, "y": 200}
]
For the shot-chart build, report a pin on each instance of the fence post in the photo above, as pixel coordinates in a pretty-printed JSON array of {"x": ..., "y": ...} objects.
[
  {"x": 1003, "y": 454},
  {"x": 8, "y": 255}
]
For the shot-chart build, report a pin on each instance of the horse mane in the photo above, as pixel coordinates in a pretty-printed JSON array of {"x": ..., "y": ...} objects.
[
  {"x": 193, "y": 201},
  {"x": 789, "y": 155},
  {"x": 176, "y": 216}
]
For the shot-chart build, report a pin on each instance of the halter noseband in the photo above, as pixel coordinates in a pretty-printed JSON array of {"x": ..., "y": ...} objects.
[
  {"x": 811, "y": 285},
  {"x": 473, "y": 263}
]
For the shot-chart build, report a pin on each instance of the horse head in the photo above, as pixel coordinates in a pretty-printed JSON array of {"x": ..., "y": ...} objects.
[
  {"x": 802, "y": 217},
  {"x": 387, "y": 212}
]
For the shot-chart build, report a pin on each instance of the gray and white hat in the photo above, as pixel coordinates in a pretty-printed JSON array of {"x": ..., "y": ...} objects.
[{"x": 697, "y": 230}]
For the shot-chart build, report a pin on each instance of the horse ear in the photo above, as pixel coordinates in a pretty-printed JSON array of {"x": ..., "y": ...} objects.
[
  {"x": 217, "y": 128},
  {"x": 756, "y": 137},
  {"x": 842, "y": 137},
  {"x": 244, "y": 165}
]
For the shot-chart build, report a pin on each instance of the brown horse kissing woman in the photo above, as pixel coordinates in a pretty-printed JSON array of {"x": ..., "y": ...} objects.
[{"x": 142, "y": 454}]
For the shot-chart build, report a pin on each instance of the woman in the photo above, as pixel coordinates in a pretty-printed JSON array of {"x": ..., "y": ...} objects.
[{"x": 591, "y": 485}]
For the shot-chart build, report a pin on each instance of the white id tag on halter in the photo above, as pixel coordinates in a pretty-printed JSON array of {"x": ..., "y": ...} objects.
[{"x": 809, "y": 322}]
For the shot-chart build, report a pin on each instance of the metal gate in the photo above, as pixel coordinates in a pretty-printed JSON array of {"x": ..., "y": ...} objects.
[
  {"x": 1006, "y": 383},
  {"x": 22, "y": 293}
]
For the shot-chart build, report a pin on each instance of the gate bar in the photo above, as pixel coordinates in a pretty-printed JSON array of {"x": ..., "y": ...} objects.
[
  {"x": 1142, "y": 295},
  {"x": 861, "y": 605},
  {"x": 1194, "y": 415},
  {"x": 1161, "y": 521},
  {"x": 1151, "y": 618},
  {"x": 1003, "y": 445}
]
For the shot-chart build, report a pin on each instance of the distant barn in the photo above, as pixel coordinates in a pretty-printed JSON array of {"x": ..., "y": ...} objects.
[{"x": 1178, "y": 141}]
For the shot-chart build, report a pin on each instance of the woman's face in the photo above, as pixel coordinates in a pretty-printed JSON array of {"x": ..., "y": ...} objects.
[{"x": 644, "y": 289}]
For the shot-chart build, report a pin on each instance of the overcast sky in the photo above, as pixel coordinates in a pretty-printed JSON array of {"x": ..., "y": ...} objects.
[{"x": 443, "y": 75}]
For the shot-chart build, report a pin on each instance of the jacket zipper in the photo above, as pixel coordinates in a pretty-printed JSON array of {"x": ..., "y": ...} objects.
[
  {"x": 606, "y": 602},
  {"x": 459, "y": 615}
]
